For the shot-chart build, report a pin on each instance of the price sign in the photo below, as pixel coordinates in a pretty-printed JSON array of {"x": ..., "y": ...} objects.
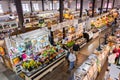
[
  {"x": 71, "y": 22},
  {"x": 54, "y": 27}
]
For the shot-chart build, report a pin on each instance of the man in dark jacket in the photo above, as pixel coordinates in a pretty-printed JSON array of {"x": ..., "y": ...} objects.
[{"x": 76, "y": 48}]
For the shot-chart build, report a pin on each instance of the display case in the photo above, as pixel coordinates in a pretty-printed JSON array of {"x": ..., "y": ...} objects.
[
  {"x": 88, "y": 35},
  {"x": 31, "y": 53},
  {"x": 102, "y": 55},
  {"x": 57, "y": 32},
  {"x": 96, "y": 32},
  {"x": 88, "y": 70},
  {"x": 6, "y": 28}
]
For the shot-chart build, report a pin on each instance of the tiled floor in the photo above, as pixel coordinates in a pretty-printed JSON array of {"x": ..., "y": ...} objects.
[
  {"x": 60, "y": 73},
  {"x": 6, "y": 74}
]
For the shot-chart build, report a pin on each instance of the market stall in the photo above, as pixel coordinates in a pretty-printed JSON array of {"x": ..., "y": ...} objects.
[
  {"x": 74, "y": 34},
  {"x": 102, "y": 21},
  {"x": 32, "y": 54}
]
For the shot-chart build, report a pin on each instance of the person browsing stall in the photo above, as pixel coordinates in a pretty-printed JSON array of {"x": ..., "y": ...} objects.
[{"x": 72, "y": 59}]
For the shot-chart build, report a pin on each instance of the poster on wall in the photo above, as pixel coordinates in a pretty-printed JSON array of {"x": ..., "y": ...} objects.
[
  {"x": 78, "y": 5},
  {"x": 109, "y": 5},
  {"x": 90, "y": 4}
]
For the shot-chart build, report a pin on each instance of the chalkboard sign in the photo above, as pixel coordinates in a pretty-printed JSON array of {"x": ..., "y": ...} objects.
[
  {"x": 14, "y": 25},
  {"x": 41, "y": 21},
  {"x": 79, "y": 20}
]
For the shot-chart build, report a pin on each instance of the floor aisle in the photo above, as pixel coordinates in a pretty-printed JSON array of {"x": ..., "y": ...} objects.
[{"x": 6, "y": 74}]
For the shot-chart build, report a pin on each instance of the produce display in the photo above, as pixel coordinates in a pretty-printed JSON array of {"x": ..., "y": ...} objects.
[
  {"x": 70, "y": 44},
  {"x": 29, "y": 53},
  {"x": 102, "y": 21},
  {"x": 42, "y": 59},
  {"x": 68, "y": 14}
]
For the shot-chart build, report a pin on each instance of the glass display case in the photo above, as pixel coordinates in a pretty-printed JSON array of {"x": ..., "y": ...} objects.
[{"x": 31, "y": 51}]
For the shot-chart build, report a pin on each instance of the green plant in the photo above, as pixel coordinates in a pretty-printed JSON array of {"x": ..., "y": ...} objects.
[{"x": 70, "y": 44}]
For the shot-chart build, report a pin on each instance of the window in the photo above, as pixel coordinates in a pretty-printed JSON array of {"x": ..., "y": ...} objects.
[
  {"x": 25, "y": 7},
  {"x": 36, "y": 6},
  {"x": 109, "y": 5},
  {"x": 1, "y": 10}
]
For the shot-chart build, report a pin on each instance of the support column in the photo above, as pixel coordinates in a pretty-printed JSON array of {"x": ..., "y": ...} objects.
[
  {"x": 107, "y": 5},
  {"x": 113, "y": 3},
  {"x": 69, "y": 4},
  {"x": 101, "y": 8},
  {"x": 52, "y": 4},
  {"x": 43, "y": 5},
  {"x": 31, "y": 6},
  {"x": 61, "y": 7},
  {"x": 76, "y": 4},
  {"x": 81, "y": 7},
  {"x": 9, "y": 6},
  {"x": 93, "y": 7},
  {"x": 20, "y": 14}
]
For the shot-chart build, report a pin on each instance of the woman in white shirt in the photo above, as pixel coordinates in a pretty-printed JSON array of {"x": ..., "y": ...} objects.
[{"x": 72, "y": 59}]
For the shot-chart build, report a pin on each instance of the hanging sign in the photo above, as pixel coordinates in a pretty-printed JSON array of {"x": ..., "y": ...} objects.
[
  {"x": 54, "y": 27},
  {"x": 75, "y": 22}
]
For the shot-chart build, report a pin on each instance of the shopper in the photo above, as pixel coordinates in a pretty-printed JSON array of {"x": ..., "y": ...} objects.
[
  {"x": 105, "y": 38},
  {"x": 72, "y": 59},
  {"x": 76, "y": 49},
  {"x": 107, "y": 75}
]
